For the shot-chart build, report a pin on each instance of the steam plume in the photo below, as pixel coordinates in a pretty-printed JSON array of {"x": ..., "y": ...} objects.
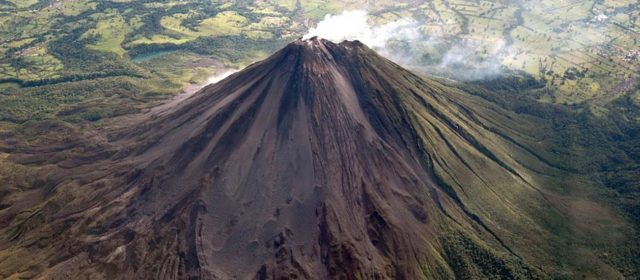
[{"x": 404, "y": 42}]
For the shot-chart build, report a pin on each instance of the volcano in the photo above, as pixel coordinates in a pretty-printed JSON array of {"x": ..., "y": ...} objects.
[{"x": 324, "y": 161}]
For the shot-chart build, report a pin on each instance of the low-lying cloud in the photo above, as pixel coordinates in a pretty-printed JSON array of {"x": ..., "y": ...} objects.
[{"x": 404, "y": 42}]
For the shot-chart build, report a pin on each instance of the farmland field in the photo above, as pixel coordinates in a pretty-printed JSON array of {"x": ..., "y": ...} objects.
[{"x": 582, "y": 50}]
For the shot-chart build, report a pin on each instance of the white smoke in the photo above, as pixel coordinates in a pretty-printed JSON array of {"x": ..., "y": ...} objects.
[
  {"x": 404, "y": 42},
  {"x": 469, "y": 60},
  {"x": 354, "y": 25},
  {"x": 221, "y": 76}
]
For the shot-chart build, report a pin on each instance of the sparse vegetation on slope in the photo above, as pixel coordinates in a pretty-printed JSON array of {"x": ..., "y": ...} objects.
[{"x": 324, "y": 160}]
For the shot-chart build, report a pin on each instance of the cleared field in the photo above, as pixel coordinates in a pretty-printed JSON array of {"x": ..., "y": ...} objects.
[{"x": 582, "y": 50}]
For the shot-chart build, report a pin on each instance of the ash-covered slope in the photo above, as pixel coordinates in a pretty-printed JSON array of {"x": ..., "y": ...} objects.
[{"x": 323, "y": 161}]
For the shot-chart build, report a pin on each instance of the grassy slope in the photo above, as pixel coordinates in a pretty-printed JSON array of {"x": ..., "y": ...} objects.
[
  {"x": 601, "y": 150},
  {"x": 539, "y": 180}
]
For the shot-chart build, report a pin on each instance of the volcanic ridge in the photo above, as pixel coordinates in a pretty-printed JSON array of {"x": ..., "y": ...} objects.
[{"x": 323, "y": 161}]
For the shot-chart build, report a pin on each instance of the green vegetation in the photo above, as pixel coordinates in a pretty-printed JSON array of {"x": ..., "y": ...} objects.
[
  {"x": 473, "y": 261},
  {"x": 88, "y": 59},
  {"x": 573, "y": 67},
  {"x": 52, "y": 51},
  {"x": 604, "y": 149},
  {"x": 584, "y": 51}
]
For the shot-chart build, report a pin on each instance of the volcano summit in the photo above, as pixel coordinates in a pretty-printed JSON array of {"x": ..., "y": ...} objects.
[{"x": 323, "y": 161}]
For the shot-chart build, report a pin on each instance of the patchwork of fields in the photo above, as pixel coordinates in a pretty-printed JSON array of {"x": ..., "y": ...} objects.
[{"x": 582, "y": 50}]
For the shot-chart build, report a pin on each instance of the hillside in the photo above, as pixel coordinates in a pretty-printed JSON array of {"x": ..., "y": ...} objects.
[{"x": 324, "y": 160}]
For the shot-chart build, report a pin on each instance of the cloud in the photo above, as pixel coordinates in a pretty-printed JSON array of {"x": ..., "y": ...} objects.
[
  {"x": 404, "y": 42},
  {"x": 354, "y": 25},
  {"x": 471, "y": 60}
]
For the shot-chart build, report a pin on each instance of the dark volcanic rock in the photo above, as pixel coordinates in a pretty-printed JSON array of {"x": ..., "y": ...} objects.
[{"x": 295, "y": 166}]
